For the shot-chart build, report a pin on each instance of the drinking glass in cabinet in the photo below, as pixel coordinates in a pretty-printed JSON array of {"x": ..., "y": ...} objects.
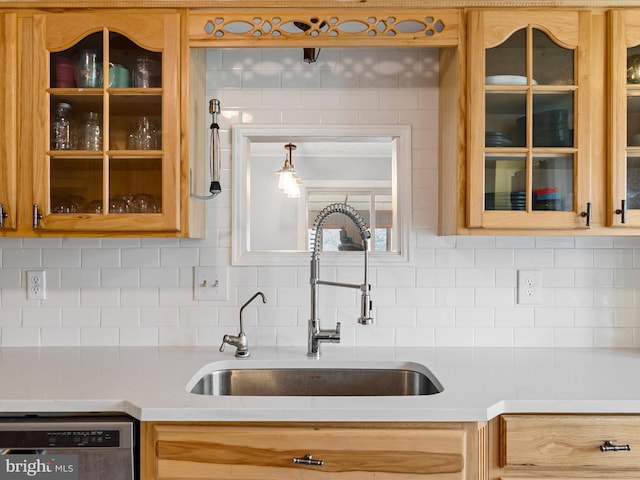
[
  {"x": 145, "y": 203},
  {"x": 62, "y": 128},
  {"x": 144, "y": 136},
  {"x": 88, "y": 69},
  {"x": 147, "y": 72},
  {"x": 90, "y": 134}
]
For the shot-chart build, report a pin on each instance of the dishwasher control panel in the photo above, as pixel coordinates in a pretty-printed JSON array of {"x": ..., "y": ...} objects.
[{"x": 59, "y": 438}]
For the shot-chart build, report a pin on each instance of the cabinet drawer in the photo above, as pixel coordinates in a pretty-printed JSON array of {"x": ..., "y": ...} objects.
[
  {"x": 569, "y": 441},
  {"x": 268, "y": 452}
]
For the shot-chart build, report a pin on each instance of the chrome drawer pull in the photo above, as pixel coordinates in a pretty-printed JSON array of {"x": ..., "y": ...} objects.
[
  {"x": 308, "y": 460},
  {"x": 609, "y": 446}
]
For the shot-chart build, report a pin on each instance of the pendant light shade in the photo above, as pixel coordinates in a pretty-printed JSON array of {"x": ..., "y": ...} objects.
[{"x": 288, "y": 180}]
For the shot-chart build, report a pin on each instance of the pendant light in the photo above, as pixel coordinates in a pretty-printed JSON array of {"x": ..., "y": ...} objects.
[{"x": 288, "y": 180}]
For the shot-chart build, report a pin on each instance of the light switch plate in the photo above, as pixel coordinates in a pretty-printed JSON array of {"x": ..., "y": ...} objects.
[{"x": 210, "y": 283}]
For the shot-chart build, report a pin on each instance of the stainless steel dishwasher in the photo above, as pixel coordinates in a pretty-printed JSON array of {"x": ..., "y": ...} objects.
[{"x": 68, "y": 448}]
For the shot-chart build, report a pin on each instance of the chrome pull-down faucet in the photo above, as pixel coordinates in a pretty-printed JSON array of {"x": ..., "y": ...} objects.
[{"x": 317, "y": 335}]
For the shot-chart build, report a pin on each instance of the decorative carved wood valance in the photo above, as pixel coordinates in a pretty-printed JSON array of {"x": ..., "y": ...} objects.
[{"x": 323, "y": 27}]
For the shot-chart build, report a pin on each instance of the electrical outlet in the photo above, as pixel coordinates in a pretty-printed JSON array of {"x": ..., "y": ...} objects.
[
  {"x": 529, "y": 287},
  {"x": 210, "y": 283},
  {"x": 36, "y": 285}
]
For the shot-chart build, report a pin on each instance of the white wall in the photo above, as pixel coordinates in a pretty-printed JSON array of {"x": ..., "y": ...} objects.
[{"x": 457, "y": 290}]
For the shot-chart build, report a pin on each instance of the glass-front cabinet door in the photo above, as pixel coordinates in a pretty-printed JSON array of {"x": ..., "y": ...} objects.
[
  {"x": 624, "y": 204},
  {"x": 8, "y": 121},
  {"x": 107, "y": 157},
  {"x": 528, "y": 152}
]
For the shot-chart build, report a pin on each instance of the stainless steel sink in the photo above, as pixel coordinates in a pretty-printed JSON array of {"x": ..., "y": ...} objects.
[{"x": 311, "y": 381}]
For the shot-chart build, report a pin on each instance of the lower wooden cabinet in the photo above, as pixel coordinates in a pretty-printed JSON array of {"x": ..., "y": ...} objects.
[
  {"x": 564, "y": 447},
  {"x": 438, "y": 451}
]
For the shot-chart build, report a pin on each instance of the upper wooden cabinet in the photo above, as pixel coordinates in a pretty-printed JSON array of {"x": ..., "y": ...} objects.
[
  {"x": 624, "y": 28},
  {"x": 528, "y": 121},
  {"x": 8, "y": 123},
  {"x": 102, "y": 121}
]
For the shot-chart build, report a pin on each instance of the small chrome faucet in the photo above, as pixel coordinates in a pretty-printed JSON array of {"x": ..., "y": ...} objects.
[
  {"x": 317, "y": 335},
  {"x": 240, "y": 341}
]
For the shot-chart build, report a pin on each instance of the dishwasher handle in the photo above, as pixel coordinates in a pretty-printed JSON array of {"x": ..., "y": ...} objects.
[{"x": 21, "y": 451}]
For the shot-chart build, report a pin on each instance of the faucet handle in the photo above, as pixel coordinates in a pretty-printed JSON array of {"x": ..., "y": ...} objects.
[{"x": 225, "y": 339}]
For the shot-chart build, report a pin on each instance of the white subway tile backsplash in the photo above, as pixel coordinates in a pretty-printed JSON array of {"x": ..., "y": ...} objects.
[
  {"x": 475, "y": 317},
  {"x": 554, "y": 317},
  {"x": 21, "y": 257},
  {"x": 177, "y": 336},
  {"x": 614, "y": 338},
  {"x": 41, "y": 317},
  {"x": 99, "y": 297},
  {"x": 99, "y": 337},
  {"x": 417, "y": 297},
  {"x": 10, "y": 277},
  {"x": 454, "y": 337},
  {"x": 375, "y": 337},
  {"x": 395, "y": 316},
  {"x": 10, "y": 317},
  {"x": 493, "y": 337},
  {"x": 120, "y": 277},
  {"x": 139, "y": 297},
  {"x": 453, "y": 291},
  {"x": 159, "y": 316},
  {"x": 455, "y": 297},
  {"x": 495, "y": 297},
  {"x": 533, "y": 337},
  {"x": 138, "y": 337},
  {"x": 436, "y": 277},
  {"x": 81, "y": 317},
  {"x": 514, "y": 317},
  {"x": 573, "y": 337},
  {"x": 20, "y": 336},
  {"x": 159, "y": 277},
  {"x": 415, "y": 337},
  {"x": 80, "y": 277},
  {"x": 475, "y": 277},
  {"x": 180, "y": 297},
  {"x": 613, "y": 297},
  {"x": 534, "y": 258},
  {"x": 119, "y": 317},
  {"x": 100, "y": 257},
  {"x": 60, "y": 337},
  {"x": 61, "y": 257},
  {"x": 140, "y": 257}
]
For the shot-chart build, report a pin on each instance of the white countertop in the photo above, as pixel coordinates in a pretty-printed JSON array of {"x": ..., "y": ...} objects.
[{"x": 479, "y": 383}]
